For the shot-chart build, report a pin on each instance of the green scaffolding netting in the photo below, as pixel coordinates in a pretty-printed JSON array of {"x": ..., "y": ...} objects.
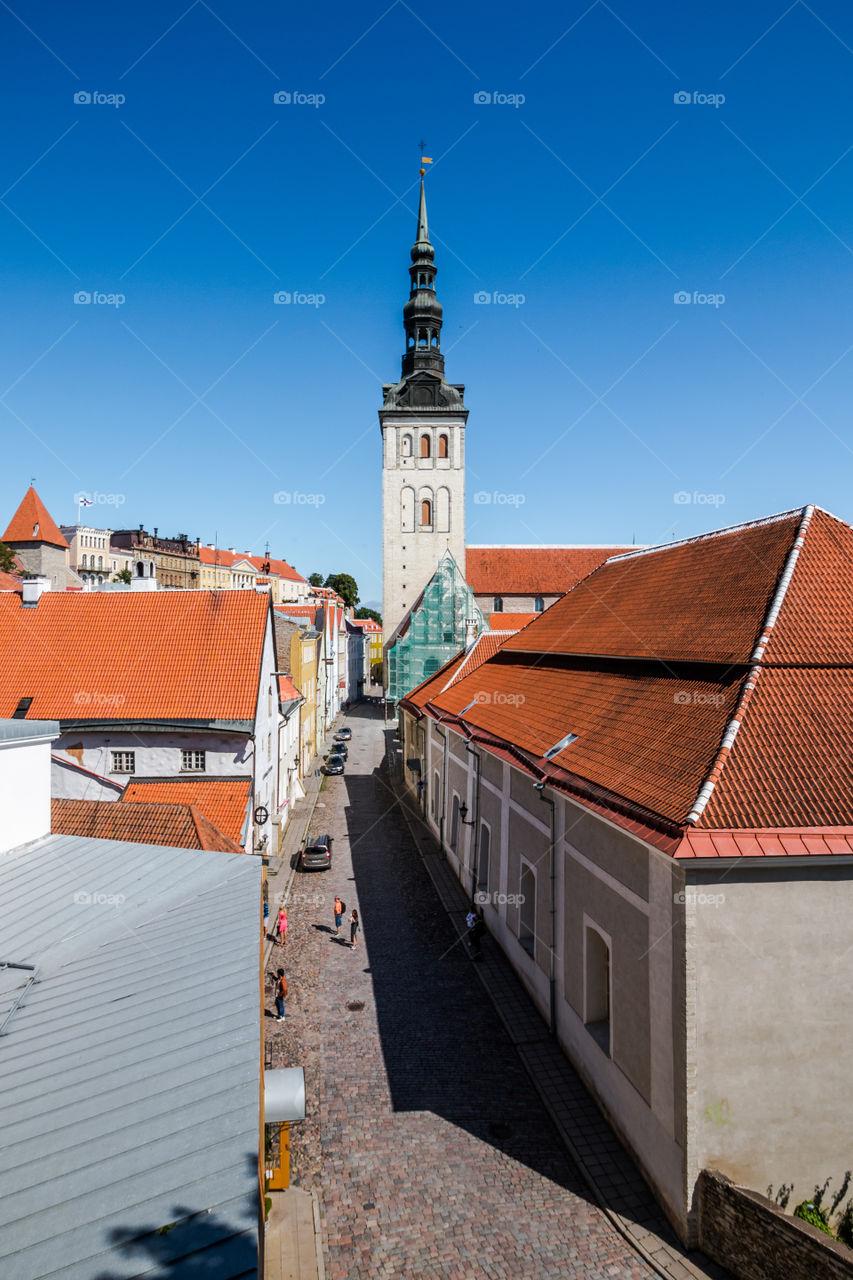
[{"x": 436, "y": 630}]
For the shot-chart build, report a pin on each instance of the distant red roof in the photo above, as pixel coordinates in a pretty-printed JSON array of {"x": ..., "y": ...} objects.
[
  {"x": 510, "y": 621},
  {"x": 226, "y": 559},
  {"x": 531, "y": 571},
  {"x": 8, "y": 582},
  {"x": 287, "y": 690},
  {"x": 700, "y": 685},
  {"x": 32, "y": 522},
  {"x": 181, "y": 826},
  {"x": 190, "y": 655},
  {"x": 225, "y": 801}
]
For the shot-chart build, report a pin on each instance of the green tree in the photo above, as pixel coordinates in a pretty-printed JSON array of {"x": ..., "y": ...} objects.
[
  {"x": 315, "y": 579},
  {"x": 345, "y": 585},
  {"x": 368, "y": 613},
  {"x": 7, "y": 559},
  {"x": 123, "y": 575}
]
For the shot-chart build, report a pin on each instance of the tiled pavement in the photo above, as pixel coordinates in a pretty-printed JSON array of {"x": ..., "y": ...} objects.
[{"x": 431, "y": 1151}]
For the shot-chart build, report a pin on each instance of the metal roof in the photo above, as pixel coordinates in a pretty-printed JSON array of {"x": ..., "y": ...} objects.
[{"x": 130, "y": 1073}]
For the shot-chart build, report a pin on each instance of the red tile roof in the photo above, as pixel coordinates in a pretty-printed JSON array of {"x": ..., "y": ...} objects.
[
  {"x": 703, "y": 600},
  {"x": 531, "y": 571},
  {"x": 8, "y": 582},
  {"x": 510, "y": 621},
  {"x": 187, "y": 655},
  {"x": 464, "y": 664},
  {"x": 707, "y": 682},
  {"x": 32, "y": 522},
  {"x": 180, "y": 826},
  {"x": 287, "y": 690},
  {"x": 225, "y": 801}
]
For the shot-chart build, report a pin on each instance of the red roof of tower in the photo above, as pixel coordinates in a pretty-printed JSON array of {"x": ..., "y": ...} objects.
[{"x": 32, "y": 522}]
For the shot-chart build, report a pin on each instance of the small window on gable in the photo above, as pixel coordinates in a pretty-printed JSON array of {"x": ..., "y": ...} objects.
[
  {"x": 443, "y": 447},
  {"x": 426, "y": 447}
]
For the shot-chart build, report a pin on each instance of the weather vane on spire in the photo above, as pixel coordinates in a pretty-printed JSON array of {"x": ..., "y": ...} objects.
[{"x": 424, "y": 159}]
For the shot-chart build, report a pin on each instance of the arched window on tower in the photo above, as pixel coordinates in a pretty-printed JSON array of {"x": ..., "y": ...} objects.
[
  {"x": 423, "y": 339},
  {"x": 410, "y": 342},
  {"x": 426, "y": 447},
  {"x": 435, "y": 340},
  {"x": 442, "y": 511},
  {"x": 426, "y": 514},
  {"x": 406, "y": 446},
  {"x": 443, "y": 451}
]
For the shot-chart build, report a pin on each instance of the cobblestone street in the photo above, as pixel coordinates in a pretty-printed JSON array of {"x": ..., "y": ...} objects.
[{"x": 429, "y": 1147}]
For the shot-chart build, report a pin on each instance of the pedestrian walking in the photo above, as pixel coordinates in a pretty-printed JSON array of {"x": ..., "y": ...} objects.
[
  {"x": 281, "y": 927},
  {"x": 339, "y": 909},
  {"x": 476, "y": 929},
  {"x": 353, "y": 928},
  {"x": 280, "y": 994}
]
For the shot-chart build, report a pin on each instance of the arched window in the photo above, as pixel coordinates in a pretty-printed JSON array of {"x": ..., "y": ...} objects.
[
  {"x": 410, "y": 341},
  {"x": 82, "y": 562},
  {"x": 426, "y": 446},
  {"x": 498, "y": 604},
  {"x": 597, "y": 987},
  {"x": 426, "y": 513},
  {"x": 435, "y": 339},
  {"x": 407, "y": 510},
  {"x": 100, "y": 562},
  {"x": 443, "y": 450},
  {"x": 140, "y": 570},
  {"x": 423, "y": 339},
  {"x": 406, "y": 446},
  {"x": 442, "y": 510},
  {"x": 539, "y": 605}
]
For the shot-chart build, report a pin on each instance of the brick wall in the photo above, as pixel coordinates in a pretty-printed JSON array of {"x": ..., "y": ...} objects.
[{"x": 756, "y": 1240}]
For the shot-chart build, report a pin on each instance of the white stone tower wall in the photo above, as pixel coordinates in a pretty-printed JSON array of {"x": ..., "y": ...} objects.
[{"x": 411, "y": 552}]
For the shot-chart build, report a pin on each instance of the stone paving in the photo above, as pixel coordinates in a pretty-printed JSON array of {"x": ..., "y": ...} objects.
[{"x": 430, "y": 1150}]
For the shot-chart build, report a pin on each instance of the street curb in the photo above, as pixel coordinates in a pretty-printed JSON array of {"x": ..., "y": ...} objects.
[{"x": 618, "y": 1223}]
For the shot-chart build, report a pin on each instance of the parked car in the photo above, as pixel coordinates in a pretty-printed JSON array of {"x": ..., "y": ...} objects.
[
  {"x": 339, "y": 749},
  {"x": 317, "y": 855},
  {"x": 344, "y": 735},
  {"x": 335, "y": 764}
]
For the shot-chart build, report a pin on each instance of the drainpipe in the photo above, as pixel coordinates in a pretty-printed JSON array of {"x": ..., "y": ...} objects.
[
  {"x": 552, "y": 975},
  {"x": 443, "y": 732},
  {"x": 475, "y": 824}
]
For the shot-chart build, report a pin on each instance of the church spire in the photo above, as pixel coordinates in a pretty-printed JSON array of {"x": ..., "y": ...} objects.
[{"x": 422, "y": 314}]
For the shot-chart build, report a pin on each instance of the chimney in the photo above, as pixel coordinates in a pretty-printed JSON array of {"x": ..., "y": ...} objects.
[
  {"x": 232, "y": 551},
  {"x": 32, "y": 589},
  {"x": 471, "y": 631},
  {"x": 155, "y": 531},
  {"x": 25, "y": 757}
]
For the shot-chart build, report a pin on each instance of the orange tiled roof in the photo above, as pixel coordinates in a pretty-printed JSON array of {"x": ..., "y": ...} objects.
[
  {"x": 704, "y": 599},
  {"x": 8, "y": 582},
  {"x": 225, "y": 801},
  {"x": 510, "y": 621},
  {"x": 187, "y": 655},
  {"x": 181, "y": 826},
  {"x": 706, "y": 682},
  {"x": 464, "y": 664},
  {"x": 32, "y": 522},
  {"x": 531, "y": 571},
  {"x": 767, "y": 842},
  {"x": 287, "y": 690}
]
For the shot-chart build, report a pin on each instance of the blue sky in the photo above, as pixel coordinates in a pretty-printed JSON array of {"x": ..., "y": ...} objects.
[{"x": 595, "y": 397}]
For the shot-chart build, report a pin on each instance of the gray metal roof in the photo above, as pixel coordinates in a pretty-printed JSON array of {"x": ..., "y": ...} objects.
[
  {"x": 12, "y": 731},
  {"x": 130, "y": 1074}
]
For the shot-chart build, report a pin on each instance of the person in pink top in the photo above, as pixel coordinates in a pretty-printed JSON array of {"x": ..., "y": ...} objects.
[{"x": 281, "y": 927}]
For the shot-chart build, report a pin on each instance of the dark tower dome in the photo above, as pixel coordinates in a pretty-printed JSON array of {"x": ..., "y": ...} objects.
[{"x": 422, "y": 314}]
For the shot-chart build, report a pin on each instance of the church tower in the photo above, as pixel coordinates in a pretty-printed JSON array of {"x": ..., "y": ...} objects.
[{"x": 423, "y": 449}]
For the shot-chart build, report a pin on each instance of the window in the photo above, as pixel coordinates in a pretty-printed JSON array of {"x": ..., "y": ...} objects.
[
  {"x": 192, "y": 762},
  {"x": 122, "y": 762},
  {"x": 527, "y": 914},
  {"x": 597, "y": 987},
  {"x": 426, "y": 513},
  {"x": 498, "y": 604},
  {"x": 406, "y": 447},
  {"x": 539, "y": 605},
  {"x": 483, "y": 858},
  {"x": 443, "y": 451},
  {"x": 426, "y": 450},
  {"x": 454, "y": 822},
  {"x": 436, "y": 794}
]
